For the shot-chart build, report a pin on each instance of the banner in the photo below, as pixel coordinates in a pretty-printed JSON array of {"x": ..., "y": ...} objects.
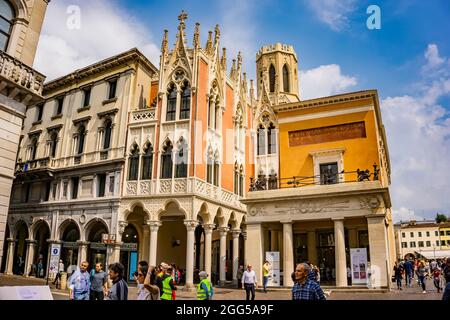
[
  {"x": 274, "y": 274},
  {"x": 54, "y": 259},
  {"x": 358, "y": 260}
]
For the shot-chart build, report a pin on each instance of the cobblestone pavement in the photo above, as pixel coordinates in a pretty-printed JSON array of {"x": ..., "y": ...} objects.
[{"x": 413, "y": 293}]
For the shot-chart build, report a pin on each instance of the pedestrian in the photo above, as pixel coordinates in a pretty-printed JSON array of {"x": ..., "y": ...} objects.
[
  {"x": 40, "y": 269},
  {"x": 266, "y": 271},
  {"x": 165, "y": 283},
  {"x": 80, "y": 283},
  {"x": 398, "y": 271},
  {"x": 150, "y": 284},
  {"x": 422, "y": 274},
  {"x": 205, "y": 289},
  {"x": 408, "y": 272},
  {"x": 305, "y": 288},
  {"x": 142, "y": 293},
  {"x": 446, "y": 295},
  {"x": 239, "y": 275},
  {"x": 99, "y": 283},
  {"x": 446, "y": 271},
  {"x": 437, "y": 279},
  {"x": 250, "y": 282},
  {"x": 119, "y": 289},
  {"x": 349, "y": 275},
  {"x": 58, "y": 274}
]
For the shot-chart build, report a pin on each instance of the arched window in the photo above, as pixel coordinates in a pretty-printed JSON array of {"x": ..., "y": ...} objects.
[
  {"x": 209, "y": 169},
  {"x": 285, "y": 78},
  {"x": 147, "y": 162},
  {"x": 54, "y": 142},
  {"x": 81, "y": 137},
  {"x": 7, "y": 16},
  {"x": 133, "y": 163},
  {"x": 181, "y": 160},
  {"x": 241, "y": 181},
  {"x": 236, "y": 178},
  {"x": 33, "y": 149},
  {"x": 216, "y": 116},
  {"x": 272, "y": 139},
  {"x": 261, "y": 141},
  {"x": 107, "y": 135},
  {"x": 171, "y": 103},
  {"x": 272, "y": 78},
  {"x": 185, "y": 101},
  {"x": 166, "y": 161},
  {"x": 216, "y": 172}
]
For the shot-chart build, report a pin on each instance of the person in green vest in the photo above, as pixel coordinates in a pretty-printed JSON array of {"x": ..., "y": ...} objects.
[
  {"x": 205, "y": 290},
  {"x": 165, "y": 283}
]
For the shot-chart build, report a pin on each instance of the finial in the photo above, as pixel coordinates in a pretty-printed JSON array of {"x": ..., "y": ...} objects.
[
  {"x": 216, "y": 35},
  {"x": 183, "y": 16},
  {"x": 165, "y": 42},
  {"x": 197, "y": 35},
  {"x": 208, "y": 46},
  {"x": 224, "y": 59}
]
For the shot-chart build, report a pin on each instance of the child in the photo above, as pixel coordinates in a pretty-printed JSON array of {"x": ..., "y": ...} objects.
[{"x": 437, "y": 279}]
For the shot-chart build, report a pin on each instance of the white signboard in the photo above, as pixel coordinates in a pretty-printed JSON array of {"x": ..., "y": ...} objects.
[
  {"x": 358, "y": 259},
  {"x": 26, "y": 293},
  {"x": 54, "y": 259},
  {"x": 274, "y": 274}
]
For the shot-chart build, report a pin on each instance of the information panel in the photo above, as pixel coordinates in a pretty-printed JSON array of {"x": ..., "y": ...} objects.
[
  {"x": 274, "y": 275},
  {"x": 358, "y": 258}
]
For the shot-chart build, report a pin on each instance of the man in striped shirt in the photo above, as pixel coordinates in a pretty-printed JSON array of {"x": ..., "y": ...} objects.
[{"x": 119, "y": 289}]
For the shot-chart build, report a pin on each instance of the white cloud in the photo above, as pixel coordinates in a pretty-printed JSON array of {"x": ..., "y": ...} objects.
[
  {"x": 334, "y": 13},
  {"x": 418, "y": 131},
  {"x": 105, "y": 30},
  {"x": 432, "y": 56},
  {"x": 324, "y": 81},
  {"x": 404, "y": 214}
]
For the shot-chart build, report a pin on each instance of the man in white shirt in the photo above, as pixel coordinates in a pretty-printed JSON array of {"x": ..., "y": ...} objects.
[{"x": 250, "y": 282}]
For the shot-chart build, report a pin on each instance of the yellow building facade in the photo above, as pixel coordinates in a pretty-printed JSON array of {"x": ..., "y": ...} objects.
[{"x": 444, "y": 235}]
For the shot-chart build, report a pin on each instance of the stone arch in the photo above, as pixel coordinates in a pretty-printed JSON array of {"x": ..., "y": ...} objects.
[
  {"x": 166, "y": 206},
  {"x": 20, "y": 8},
  {"x": 133, "y": 205},
  {"x": 64, "y": 225},
  {"x": 17, "y": 225},
  {"x": 90, "y": 225},
  {"x": 204, "y": 213},
  {"x": 220, "y": 219},
  {"x": 233, "y": 220},
  {"x": 36, "y": 226}
]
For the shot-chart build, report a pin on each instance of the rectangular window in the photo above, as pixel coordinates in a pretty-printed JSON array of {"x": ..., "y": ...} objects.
[
  {"x": 27, "y": 192},
  {"x": 59, "y": 105},
  {"x": 448, "y": 242},
  {"x": 442, "y": 233},
  {"x": 328, "y": 173},
  {"x": 403, "y": 235},
  {"x": 412, "y": 244},
  {"x": 111, "y": 184},
  {"x": 447, "y": 232},
  {"x": 87, "y": 96},
  {"x": 436, "y": 233},
  {"x": 75, "y": 182},
  {"x": 48, "y": 188},
  {"x": 420, "y": 244},
  {"x": 54, "y": 191},
  {"x": 112, "y": 89},
  {"x": 428, "y": 233},
  {"x": 40, "y": 109},
  {"x": 65, "y": 186},
  {"x": 404, "y": 244},
  {"x": 420, "y": 234},
  {"x": 101, "y": 178},
  {"x": 437, "y": 243},
  {"x": 171, "y": 106},
  {"x": 428, "y": 243},
  {"x": 411, "y": 234}
]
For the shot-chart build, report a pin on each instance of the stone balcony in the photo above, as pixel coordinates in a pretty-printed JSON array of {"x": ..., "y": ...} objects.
[
  {"x": 143, "y": 115},
  {"x": 20, "y": 82}
]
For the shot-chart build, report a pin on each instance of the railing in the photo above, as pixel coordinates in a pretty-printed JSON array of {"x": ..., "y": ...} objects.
[
  {"x": 143, "y": 115},
  {"x": 32, "y": 165},
  {"x": 19, "y": 73},
  {"x": 328, "y": 178}
]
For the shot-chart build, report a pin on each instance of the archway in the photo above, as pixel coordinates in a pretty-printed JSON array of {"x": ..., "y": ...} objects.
[
  {"x": 69, "y": 253},
  {"x": 40, "y": 257},
  {"x": 5, "y": 249},
  {"x": 21, "y": 248},
  {"x": 172, "y": 237},
  {"x": 97, "y": 249},
  {"x": 129, "y": 250}
]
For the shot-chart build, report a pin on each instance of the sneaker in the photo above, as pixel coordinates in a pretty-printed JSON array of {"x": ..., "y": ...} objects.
[{"x": 424, "y": 291}]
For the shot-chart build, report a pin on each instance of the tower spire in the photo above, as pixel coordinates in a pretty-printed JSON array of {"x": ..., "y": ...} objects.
[
  {"x": 208, "y": 46},
  {"x": 223, "y": 61},
  {"x": 165, "y": 42},
  {"x": 197, "y": 35}
]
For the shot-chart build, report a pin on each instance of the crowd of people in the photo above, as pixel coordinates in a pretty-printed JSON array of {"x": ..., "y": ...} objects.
[{"x": 418, "y": 271}]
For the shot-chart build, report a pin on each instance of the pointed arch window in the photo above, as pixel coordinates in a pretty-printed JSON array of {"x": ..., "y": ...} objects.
[
  {"x": 209, "y": 169},
  {"x": 185, "y": 101},
  {"x": 286, "y": 78},
  {"x": 171, "y": 103},
  {"x": 241, "y": 181},
  {"x": 272, "y": 78},
  {"x": 236, "y": 178},
  {"x": 107, "y": 137},
  {"x": 216, "y": 172},
  {"x": 54, "y": 143},
  {"x": 167, "y": 161},
  {"x": 133, "y": 163},
  {"x": 181, "y": 160},
  {"x": 81, "y": 139},
  {"x": 271, "y": 139},
  {"x": 261, "y": 140},
  {"x": 33, "y": 148},
  {"x": 147, "y": 162},
  {"x": 7, "y": 15}
]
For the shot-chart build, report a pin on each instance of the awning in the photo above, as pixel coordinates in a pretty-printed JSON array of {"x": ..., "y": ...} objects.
[{"x": 434, "y": 254}]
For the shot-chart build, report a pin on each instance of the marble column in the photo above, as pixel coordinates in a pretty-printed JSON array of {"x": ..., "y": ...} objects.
[
  {"x": 145, "y": 251},
  {"x": 340, "y": 257},
  {"x": 312, "y": 248},
  {"x": 379, "y": 250},
  {"x": 154, "y": 227},
  {"x": 223, "y": 253},
  {"x": 29, "y": 256},
  {"x": 288, "y": 254},
  {"x": 235, "y": 233},
  {"x": 208, "y": 241},
  {"x": 82, "y": 251},
  {"x": 190, "y": 226},
  {"x": 10, "y": 256},
  {"x": 254, "y": 247}
]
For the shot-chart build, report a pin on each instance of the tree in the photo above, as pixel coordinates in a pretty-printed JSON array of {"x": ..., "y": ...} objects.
[{"x": 441, "y": 218}]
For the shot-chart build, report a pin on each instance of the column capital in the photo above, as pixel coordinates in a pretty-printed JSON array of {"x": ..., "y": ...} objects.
[
  {"x": 50, "y": 241},
  {"x": 209, "y": 227},
  {"x": 236, "y": 233},
  {"x": 287, "y": 222},
  {"x": 154, "y": 225},
  {"x": 190, "y": 224},
  {"x": 122, "y": 226},
  {"x": 223, "y": 231},
  {"x": 244, "y": 234},
  {"x": 338, "y": 219},
  {"x": 30, "y": 242},
  {"x": 83, "y": 243},
  {"x": 11, "y": 240}
]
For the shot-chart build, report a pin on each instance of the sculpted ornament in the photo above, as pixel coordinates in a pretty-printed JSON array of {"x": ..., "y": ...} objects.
[{"x": 369, "y": 203}]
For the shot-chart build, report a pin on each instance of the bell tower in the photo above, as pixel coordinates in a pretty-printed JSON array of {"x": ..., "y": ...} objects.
[{"x": 277, "y": 70}]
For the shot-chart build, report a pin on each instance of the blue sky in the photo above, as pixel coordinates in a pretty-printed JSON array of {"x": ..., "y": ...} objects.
[{"x": 408, "y": 61}]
